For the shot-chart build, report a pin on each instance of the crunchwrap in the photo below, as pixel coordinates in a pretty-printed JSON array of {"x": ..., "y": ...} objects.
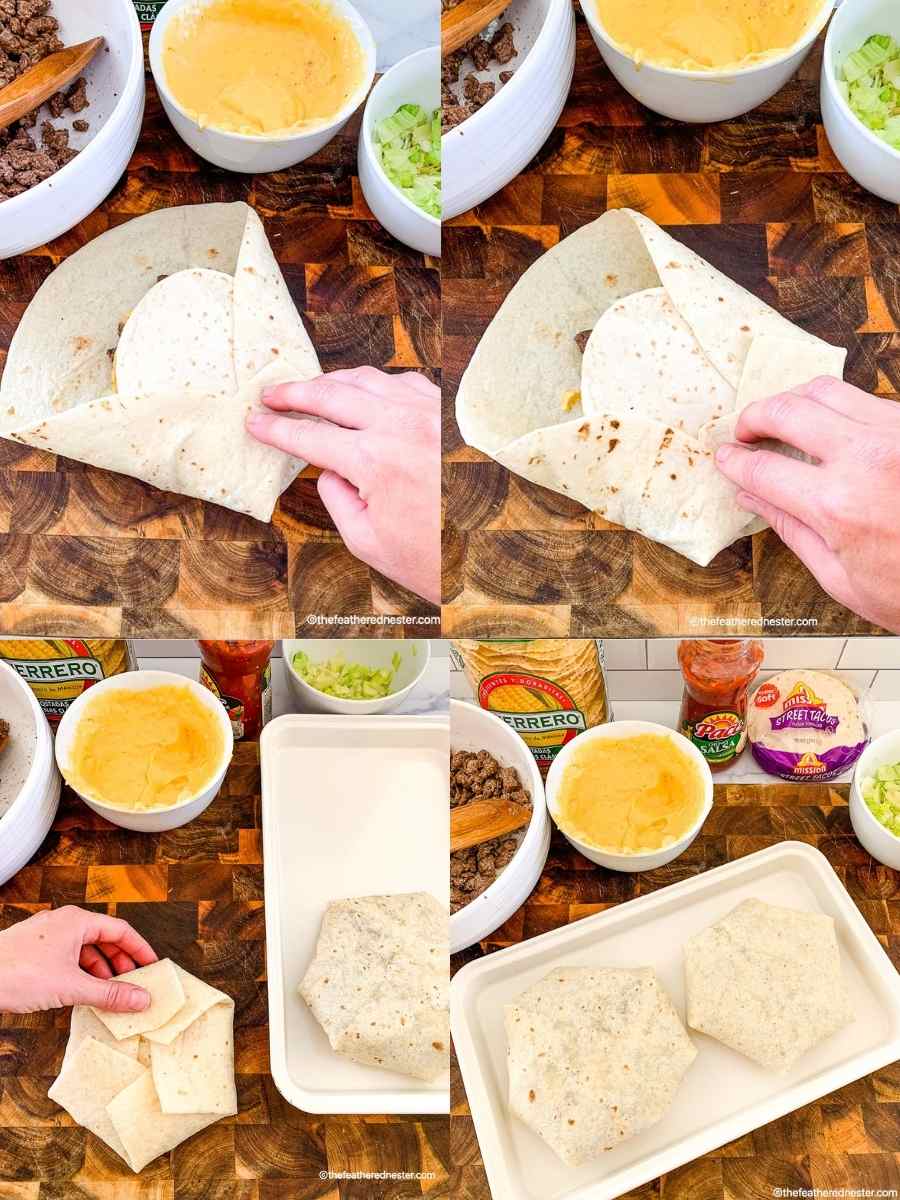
[
  {"x": 630, "y": 426},
  {"x": 144, "y": 352}
]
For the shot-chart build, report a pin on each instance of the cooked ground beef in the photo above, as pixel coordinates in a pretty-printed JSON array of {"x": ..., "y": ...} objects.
[
  {"x": 481, "y": 51},
  {"x": 28, "y": 33},
  {"x": 478, "y": 776}
]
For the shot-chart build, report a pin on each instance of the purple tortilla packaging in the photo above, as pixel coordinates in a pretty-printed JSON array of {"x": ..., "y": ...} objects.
[{"x": 806, "y": 726}]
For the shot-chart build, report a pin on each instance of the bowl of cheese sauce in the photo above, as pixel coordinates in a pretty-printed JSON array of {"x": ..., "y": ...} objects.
[
  {"x": 259, "y": 85},
  {"x": 630, "y": 795},
  {"x": 704, "y": 60},
  {"x": 147, "y": 750}
]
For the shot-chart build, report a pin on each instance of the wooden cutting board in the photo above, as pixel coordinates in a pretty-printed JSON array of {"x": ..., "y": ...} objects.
[
  {"x": 765, "y": 201},
  {"x": 110, "y": 556},
  {"x": 850, "y": 1139},
  {"x": 197, "y": 894}
]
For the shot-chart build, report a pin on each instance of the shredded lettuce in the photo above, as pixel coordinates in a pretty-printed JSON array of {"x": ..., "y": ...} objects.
[
  {"x": 346, "y": 681},
  {"x": 870, "y": 83},
  {"x": 409, "y": 143},
  {"x": 881, "y": 793}
]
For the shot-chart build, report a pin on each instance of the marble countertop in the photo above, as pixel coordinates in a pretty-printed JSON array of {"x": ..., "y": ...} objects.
[{"x": 400, "y": 27}]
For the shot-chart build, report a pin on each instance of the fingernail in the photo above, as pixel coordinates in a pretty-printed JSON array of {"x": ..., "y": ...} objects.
[
  {"x": 138, "y": 999},
  {"x": 266, "y": 394},
  {"x": 254, "y": 420},
  {"x": 723, "y": 454}
]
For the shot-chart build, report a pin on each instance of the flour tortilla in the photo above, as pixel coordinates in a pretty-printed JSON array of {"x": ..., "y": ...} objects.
[
  {"x": 85, "y": 1024},
  {"x": 378, "y": 984},
  {"x": 595, "y": 1056},
  {"x": 195, "y": 1072},
  {"x": 144, "y": 352},
  {"x": 662, "y": 370},
  {"x": 162, "y": 981},
  {"x": 93, "y": 1076},
  {"x": 768, "y": 982},
  {"x": 144, "y": 1130},
  {"x": 144, "y": 1097}
]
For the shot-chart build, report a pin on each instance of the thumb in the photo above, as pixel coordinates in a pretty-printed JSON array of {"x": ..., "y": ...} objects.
[{"x": 109, "y": 994}]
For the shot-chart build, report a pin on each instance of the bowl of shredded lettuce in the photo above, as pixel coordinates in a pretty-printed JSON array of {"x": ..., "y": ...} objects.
[
  {"x": 875, "y": 799},
  {"x": 360, "y": 676},
  {"x": 860, "y": 93},
  {"x": 400, "y": 151}
]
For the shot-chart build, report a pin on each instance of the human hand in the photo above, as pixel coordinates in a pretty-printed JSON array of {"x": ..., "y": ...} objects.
[
  {"x": 839, "y": 513},
  {"x": 69, "y": 956},
  {"x": 378, "y": 443}
]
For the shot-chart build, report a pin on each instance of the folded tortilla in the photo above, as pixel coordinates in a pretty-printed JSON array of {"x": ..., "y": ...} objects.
[
  {"x": 378, "y": 984},
  {"x": 144, "y": 352},
  {"x": 144, "y": 1097},
  {"x": 629, "y": 428},
  {"x": 595, "y": 1056},
  {"x": 768, "y": 982}
]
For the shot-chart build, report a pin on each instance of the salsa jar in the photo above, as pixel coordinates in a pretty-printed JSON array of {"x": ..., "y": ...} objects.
[
  {"x": 718, "y": 673},
  {"x": 240, "y": 674}
]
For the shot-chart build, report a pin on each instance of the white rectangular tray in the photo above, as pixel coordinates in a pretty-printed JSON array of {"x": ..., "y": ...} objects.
[
  {"x": 351, "y": 806},
  {"x": 724, "y": 1095}
]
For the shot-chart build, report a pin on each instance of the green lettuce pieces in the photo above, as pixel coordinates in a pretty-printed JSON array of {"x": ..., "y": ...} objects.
[
  {"x": 870, "y": 83},
  {"x": 881, "y": 793},
  {"x": 409, "y": 145},
  {"x": 346, "y": 681}
]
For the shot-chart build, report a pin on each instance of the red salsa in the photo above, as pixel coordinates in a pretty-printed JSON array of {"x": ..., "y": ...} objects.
[
  {"x": 240, "y": 674},
  {"x": 717, "y": 674}
]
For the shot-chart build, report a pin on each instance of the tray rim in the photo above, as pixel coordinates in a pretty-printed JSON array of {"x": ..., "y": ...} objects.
[
  {"x": 466, "y": 980},
  {"x": 378, "y": 1101}
]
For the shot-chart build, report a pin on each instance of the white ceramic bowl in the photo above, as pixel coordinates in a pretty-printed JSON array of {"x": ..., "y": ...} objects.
[
  {"x": 472, "y": 728},
  {"x": 702, "y": 95},
  {"x": 878, "y": 841},
  {"x": 29, "y": 781},
  {"x": 871, "y": 162},
  {"x": 496, "y": 143},
  {"x": 415, "y": 654},
  {"x": 416, "y": 79},
  {"x": 116, "y": 92},
  {"x": 623, "y": 729},
  {"x": 157, "y": 820},
  {"x": 257, "y": 153}
]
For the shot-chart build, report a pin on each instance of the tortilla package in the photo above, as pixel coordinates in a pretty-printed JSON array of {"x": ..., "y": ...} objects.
[
  {"x": 806, "y": 726},
  {"x": 144, "y": 352},
  {"x": 378, "y": 982},
  {"x": 595, "y": 1056},
  {"x": 629, "y": 427},
  {"x": 144, "y": 1082}
]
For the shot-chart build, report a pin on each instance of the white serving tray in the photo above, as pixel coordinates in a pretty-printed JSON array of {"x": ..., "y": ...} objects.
[
  {"x": 351, "y": 806},
  {"x": 724, "y": 1095}
]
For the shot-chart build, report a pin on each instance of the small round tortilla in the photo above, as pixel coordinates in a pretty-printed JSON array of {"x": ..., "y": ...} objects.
[{"x": 192, "y": 310}]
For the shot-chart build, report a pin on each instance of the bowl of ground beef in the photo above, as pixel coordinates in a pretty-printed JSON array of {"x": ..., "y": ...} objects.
[
  {"x": 488, "y": 882},
  {"x": 60, "y": 162},
  {"x": 502, "y": 95}
]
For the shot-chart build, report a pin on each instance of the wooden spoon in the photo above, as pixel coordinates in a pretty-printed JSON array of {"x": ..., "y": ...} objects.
[
  {"x": 482, "y": 820},
  {"x": 460, "y": 24},
  {"x": 44, "y": 80}
]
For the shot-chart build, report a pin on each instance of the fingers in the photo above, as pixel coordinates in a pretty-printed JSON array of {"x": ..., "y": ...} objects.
[
  {"x": 108, "y": 994},
  {"x": 327, "y": 397},
  {"x": 784, "y": 483},
  {"x": 92, "y": 961},
  {"x": 851, "y": 401},
  {"x": 380, "y": 383},
  {"x": 348, "y": 511},
  {"x": 318, "y": 442},
  {"x": 798, "y": 420},
  {"x": 118, "y": 959},
  {"x": 809, "y": 547},
  {"x": 98, "y": 928}
]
